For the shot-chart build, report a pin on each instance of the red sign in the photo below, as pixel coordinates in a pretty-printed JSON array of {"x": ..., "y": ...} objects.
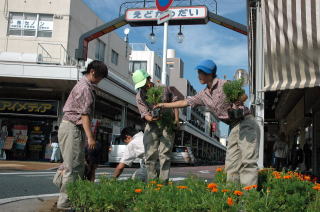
[{"x": 163, "y": 5}]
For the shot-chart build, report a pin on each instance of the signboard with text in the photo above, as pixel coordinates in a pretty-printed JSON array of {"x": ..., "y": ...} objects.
[
  {"x": 180, "y": 16},
  {"x": 29, "y": 107},
  {"x": 31, "y": 25}
]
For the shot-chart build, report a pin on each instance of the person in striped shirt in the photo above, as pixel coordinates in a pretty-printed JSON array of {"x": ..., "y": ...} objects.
[{"x": 242, "y": 150}]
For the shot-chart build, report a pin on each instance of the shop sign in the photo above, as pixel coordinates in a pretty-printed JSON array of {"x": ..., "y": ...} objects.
[
  {"x": 21, "y": 142},
  {"x": 179, "y": 15},
  {"x": 29, "y": 107}
]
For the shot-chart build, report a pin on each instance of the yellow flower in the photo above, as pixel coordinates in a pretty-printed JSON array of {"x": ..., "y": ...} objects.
[
  {"x": 239, "y": 193},
  {"x": 170, "y": 182},
  {"x": 138, "y": 190},
  {"x": 229, "y": 201},
  {"x": 158, "y": 188},
  {"x": 212, "y": 185}
]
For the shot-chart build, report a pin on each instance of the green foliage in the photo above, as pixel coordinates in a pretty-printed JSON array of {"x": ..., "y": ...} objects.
[
  {"x": 155, "y": 95},
  {"x": 166, "y": 120},
  {"x": 196, "y": 195},
  {"x": 233, "y": 90}
]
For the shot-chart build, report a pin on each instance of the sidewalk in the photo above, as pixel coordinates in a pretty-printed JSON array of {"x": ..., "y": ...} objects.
[
  {"x": 27, "y": 165},
  {"x": 43, "y": 204}
]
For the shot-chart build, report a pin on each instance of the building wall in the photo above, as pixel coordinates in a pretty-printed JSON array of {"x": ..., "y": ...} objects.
[
  {"x": 24, "y": 44},
  {"x": 152, "y": 58},
  {"x": 175, "y": 67}
]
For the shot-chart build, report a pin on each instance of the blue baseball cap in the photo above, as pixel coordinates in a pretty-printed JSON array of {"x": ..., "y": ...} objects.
[{"x": 207, "y": 66}]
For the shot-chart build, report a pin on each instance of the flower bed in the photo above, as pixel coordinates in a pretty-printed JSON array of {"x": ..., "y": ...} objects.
[{"x": 276, "y": 192}]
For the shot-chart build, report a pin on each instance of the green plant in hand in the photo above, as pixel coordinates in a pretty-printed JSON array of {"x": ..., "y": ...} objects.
[
  {"x": 233, "y": 90},
  {"x": 166, "y": 119}
]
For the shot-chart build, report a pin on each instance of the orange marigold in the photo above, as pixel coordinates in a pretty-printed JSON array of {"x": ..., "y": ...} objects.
[
  {"x": 138, "y": 190},
  {"x": 307, "y": 178},
  {"x": 247, "y": 188},
  {"x": 224, "y": 190},
  {"x": 158, "y": 188},
  {"x": 219, "y": 169},
  {"x": 229, "y": 201},
  {"x": 159, "y": 185},
  {"x": 277, "y": 177},
  {"x": 212, "y": 185},
  {"x": 182, "y": 187},
  {"x": 153, "y": 182},
  {"x": 214, "y": 190},
  {"x": 239, "y": 193},
  {"x": 316, "y": 188},
  {"x": 254, "y": 186},
  {"x": 287, "y": 177}
]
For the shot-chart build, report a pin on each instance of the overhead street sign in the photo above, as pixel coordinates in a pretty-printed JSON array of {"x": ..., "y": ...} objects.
[
  {"x": 180, "y": 16},
  {"x": 163, "y": 5},
  {"x": 165, "y": 16}
]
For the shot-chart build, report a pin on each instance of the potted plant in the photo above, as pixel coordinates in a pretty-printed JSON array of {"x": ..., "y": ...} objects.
[
  {"x": 166, "y": 119},
  {"x": 234, "y": 93}
]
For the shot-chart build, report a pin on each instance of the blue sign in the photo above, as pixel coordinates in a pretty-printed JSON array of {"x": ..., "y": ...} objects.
[{"x": 163, "y": 5}]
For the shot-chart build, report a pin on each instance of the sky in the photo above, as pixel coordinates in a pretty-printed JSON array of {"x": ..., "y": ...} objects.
[{"x": 227, "y": 48}]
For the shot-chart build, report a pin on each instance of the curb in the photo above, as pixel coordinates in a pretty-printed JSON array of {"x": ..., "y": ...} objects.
[{"x": 15, "y": 199}]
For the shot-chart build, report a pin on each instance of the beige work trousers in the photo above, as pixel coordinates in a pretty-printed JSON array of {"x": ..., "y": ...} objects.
[
  {"x": 158, "y": 146},
  {"x": 71, "y": 141},
  {"x": 242, "y": 152}
]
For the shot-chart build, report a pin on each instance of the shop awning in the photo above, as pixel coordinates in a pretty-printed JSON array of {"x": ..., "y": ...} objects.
[{"x": 291, "y": 44}]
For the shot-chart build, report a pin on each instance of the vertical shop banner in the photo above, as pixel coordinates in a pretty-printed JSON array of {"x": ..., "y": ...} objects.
[
  {"x": 21, "y": 142},
  {"x": 8, "y": 144}
]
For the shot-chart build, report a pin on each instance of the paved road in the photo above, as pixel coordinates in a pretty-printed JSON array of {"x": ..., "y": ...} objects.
[{"x": 25, "y": 183}]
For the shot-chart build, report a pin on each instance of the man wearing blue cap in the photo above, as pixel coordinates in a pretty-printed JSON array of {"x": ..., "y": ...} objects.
[{"x": 242, "y": 151}]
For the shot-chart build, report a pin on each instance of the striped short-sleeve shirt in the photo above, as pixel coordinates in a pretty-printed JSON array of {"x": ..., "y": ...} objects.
[
  {"x": 80, "y": 101},
  {"x": 215, "y": 99}
]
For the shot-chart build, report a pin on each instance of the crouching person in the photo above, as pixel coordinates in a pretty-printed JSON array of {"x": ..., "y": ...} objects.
[{"x": 134, "y": 150}]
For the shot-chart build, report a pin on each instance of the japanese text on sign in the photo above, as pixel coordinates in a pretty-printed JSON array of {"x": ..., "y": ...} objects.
[{"x": 177, "y": 13}]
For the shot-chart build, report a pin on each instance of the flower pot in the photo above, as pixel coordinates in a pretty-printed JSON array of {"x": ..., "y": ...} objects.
[{"x": 235, "y": 114}]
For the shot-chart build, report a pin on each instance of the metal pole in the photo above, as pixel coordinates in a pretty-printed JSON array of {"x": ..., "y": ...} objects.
[
  {"x": 164, "y": 61},
  {"x": 259, "y": 95}
]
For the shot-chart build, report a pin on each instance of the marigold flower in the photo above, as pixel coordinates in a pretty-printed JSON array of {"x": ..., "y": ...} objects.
[
  {"x": 277, "y": 177},
  {"x": 287, "y": 177},
  {"x": 153, "y": 182},
  {"x": 159, "y": 185},
  {"x": 138, "y": 190},
  {"x": 170, "y": 182},
  {"x": 214, "y": 190},
  {"x": 239, "y": 193},
  {"x": 316, "y": 188},
  {"x": 225, "y": 190},
  {"x": 307, "y": 178},
  {"x": 212, "y": 185},
  {"x": 182, "y": 187},
  {"x": 247, "y": 188},
  {"x": 254, "y": 186},
  {"x": 219, "y": 169},
  {"x": 158, "y": 188},
  {"x": 229, "y": 201}
]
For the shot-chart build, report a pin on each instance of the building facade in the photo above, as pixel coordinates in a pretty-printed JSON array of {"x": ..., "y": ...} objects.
[{"x": 37, "y": 71}]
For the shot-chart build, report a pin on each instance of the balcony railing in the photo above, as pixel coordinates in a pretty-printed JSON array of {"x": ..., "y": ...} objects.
[{"x": 54, "y": 53}]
